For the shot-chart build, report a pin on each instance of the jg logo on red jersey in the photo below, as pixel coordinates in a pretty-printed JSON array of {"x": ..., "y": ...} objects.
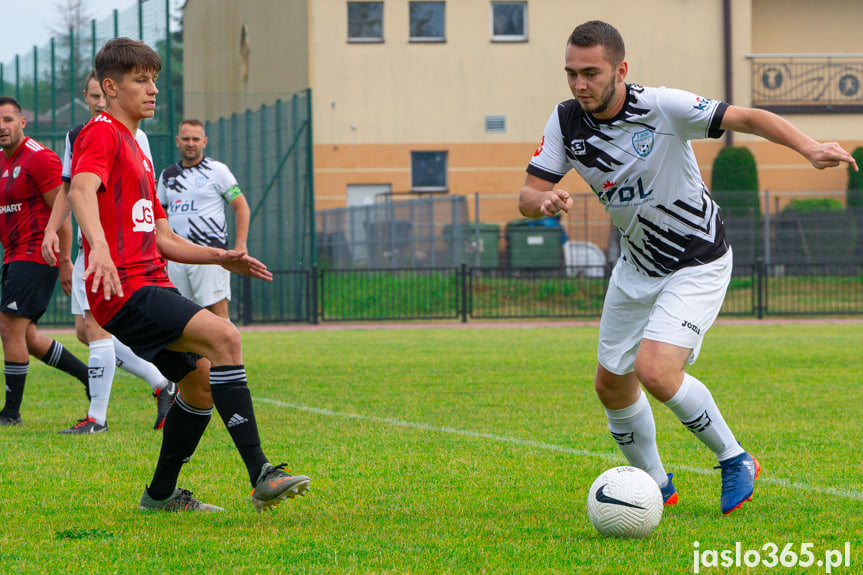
[{"x": 142, "y": 216}]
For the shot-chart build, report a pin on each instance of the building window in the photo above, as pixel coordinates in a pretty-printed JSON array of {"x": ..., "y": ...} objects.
[
  {"x": 509, "y": 21},
  {"x": 429, "y": 172},
  {"x": 427, "y": 22},
  {"x": 365, "y": 21}
]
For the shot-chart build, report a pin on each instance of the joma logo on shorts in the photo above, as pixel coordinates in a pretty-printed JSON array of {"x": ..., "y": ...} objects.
[{"x": 691, "y": 326}]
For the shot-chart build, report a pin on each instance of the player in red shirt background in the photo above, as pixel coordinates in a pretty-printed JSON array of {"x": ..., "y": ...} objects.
[
  {"x": 126, "y": 235},
  {"x": 29, "y": 182}
]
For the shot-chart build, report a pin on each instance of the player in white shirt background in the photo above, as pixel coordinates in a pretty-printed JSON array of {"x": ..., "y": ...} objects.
[
  {"x": 631, "y": 144},
  {"x": 194, "y": 192},
  {"x": 106, "y": 351}
]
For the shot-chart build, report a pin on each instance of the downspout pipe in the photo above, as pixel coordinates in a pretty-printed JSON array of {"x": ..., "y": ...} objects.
[{"x": 728, "y": 71}]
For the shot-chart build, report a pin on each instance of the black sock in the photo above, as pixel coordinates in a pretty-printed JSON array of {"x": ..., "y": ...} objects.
[
  {"x": 233, "y": 401},
  {"x": 61, "y": 358},
  {"x": 184, "y": 426},
  {"x": 16, "y": 374}
]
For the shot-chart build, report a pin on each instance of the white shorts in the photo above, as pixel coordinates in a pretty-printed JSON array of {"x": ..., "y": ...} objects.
[
  {"x": 79, "y": 288},
  {"x": 676, "y": 309},
  {"x": 203, "y": 284}
]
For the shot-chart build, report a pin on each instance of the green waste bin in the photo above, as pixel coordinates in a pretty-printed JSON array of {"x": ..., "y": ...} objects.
[
  {"x": 533, "y": 246},
  {"x": 465, "y": 246}
]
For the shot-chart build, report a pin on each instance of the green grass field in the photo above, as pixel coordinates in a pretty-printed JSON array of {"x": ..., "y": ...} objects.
[{"x": 443, "y": 450}]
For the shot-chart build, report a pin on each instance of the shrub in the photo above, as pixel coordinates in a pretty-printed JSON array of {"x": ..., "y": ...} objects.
[
  {"x": 855, "y": 181},
  {"x": 735, "y": 182},
  {"x": 811, "y": 205}
]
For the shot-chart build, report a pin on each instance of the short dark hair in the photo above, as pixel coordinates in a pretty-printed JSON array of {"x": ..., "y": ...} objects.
[
  {"x": 120, "y": 56},
  {"x": 192, "y": 122},
  {"x": 91, "y": 76},
  {"x": 599, "y": 33},
  {"x": 9, "y": 101}
]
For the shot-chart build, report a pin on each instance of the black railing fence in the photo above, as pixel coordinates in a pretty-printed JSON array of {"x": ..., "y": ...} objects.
[
  {"x": 467, "y": 293},
  {"x": 422, "y": 260}
]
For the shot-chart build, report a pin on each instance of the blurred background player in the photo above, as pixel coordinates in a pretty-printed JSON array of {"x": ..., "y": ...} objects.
[
  {"x": 106, "y": 351},
  {"x": 132, "y": 297},
  {"x": 29, "y": 183},
  {"x": 194, "y": 192}
]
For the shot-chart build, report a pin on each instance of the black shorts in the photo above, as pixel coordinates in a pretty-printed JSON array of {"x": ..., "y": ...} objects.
[
  {"x": 152, "y": 319},
  {"x": 27, "y": 288}
]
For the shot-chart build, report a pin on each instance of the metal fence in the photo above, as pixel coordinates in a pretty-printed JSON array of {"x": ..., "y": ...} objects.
[
  {"x": 787, "y": 262},
  {"x": 48, "y": 80},
  {"x": 800, "y": 83},
  {"x": 465, "y": 293},
  {"x": 413, "y": 233},
  {"x": 269, "y": 151}
]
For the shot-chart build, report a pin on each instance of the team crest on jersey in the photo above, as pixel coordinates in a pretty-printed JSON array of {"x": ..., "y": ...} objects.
[
  {"x": 578, "y": 147},
  {"x": 142, "y": 216},
  {"x": 200, "y": 181},
  {"x": 643, "y": 142},
  {"x": 16, "y": 172}
]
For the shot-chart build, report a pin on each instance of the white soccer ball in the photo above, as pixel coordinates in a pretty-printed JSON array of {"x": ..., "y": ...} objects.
[{"x": 624, "y": 502}]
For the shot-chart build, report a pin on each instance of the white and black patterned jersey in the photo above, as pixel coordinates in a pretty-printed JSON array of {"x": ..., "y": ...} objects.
[
  {"x": 194, "y": 198},
  {"x": 641, "y": 166}
]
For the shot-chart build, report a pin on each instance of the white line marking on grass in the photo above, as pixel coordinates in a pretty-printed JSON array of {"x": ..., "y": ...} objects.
[{"x": 611, "y": 457}]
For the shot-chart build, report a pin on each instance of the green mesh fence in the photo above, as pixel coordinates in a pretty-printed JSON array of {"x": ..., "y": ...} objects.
[
  {"x": 48, "y": 82},
  {"x": 269, "y": 150}
]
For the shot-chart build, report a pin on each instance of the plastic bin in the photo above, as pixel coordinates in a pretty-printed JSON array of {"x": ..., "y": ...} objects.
[{"x": 533, "y": 245}]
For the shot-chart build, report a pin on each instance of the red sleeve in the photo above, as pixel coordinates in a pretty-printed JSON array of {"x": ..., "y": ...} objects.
[
  {"x": 160, "y": 211},
  {"x": 95, "y": 150},
  {"x": 45, "y": 170}
]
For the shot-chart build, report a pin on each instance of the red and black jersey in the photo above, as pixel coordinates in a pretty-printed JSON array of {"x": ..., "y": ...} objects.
[
  {"x": 32, "y": 171},
  {"x": 128, "y": 209}
]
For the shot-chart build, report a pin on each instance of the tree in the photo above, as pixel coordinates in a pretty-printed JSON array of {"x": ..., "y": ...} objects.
[
  {"x": 735, "y": 187},
  {"x": 735, "y": 182},
  {"x": 855, "y": 202},
  {"x": 855, "y": 181},
  {"x": 72, "y": 63}
]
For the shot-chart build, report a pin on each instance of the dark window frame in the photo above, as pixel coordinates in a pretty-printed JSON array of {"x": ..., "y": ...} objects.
[{"x": 379, "y": 39}]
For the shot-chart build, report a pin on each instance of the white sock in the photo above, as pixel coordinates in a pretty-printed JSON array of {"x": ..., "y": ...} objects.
[
  {"x": 694, "y": 406},
  {"x": 100, "y": 369},
  {"x": 142, "y": 368},
  {"x": 634, "y": 431}
]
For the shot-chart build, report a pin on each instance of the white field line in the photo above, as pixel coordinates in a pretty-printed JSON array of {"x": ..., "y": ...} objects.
[{"x": 611, "y": 457}]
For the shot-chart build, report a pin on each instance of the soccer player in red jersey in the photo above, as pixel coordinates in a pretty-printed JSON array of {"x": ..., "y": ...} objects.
[
  {"x": 126, "y": 241},
  {"x": 29, "y": 181},
  {"x": 106, "y": 352}
]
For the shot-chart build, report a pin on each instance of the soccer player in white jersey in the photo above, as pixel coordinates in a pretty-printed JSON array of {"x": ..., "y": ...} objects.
[
  {"x": 194, "y": 192},
  {"x": 106, "y": 351},
  {"x": 631, "y": 144}
]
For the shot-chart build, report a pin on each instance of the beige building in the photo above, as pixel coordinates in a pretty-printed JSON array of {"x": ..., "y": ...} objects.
[{"x": 452, "y": 97}]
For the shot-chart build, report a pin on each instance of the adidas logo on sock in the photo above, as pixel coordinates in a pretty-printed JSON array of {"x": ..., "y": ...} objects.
[{"x": 236, "y": 419}]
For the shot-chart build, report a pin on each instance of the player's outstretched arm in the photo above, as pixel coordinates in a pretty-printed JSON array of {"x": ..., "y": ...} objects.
[
  {"x": 243, "y": 216},
  {"x": 178, "y": 249},
  {"x": 538, "y": 198},
  {"x": 777, "y": 129}
]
